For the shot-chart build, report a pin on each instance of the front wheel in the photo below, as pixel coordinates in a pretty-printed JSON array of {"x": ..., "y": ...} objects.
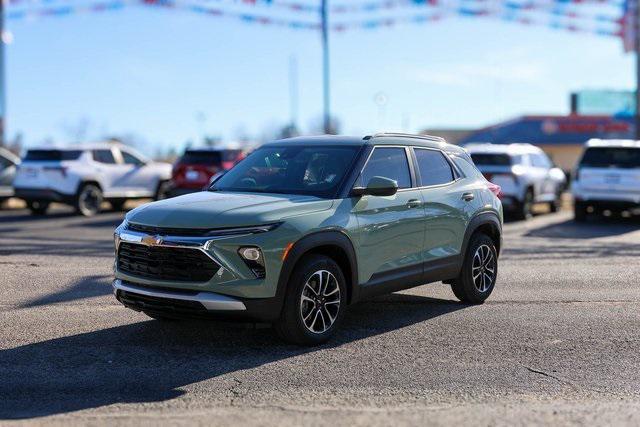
[
  {"x": 38, "y": 207},
  {"x": 88, "y": 200},
  {"x": 479, "y": 271},
  {"x": 315, "y": 302}
]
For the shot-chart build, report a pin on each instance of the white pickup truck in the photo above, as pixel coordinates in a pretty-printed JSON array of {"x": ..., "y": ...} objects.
[{"x": 84, "y": 176}]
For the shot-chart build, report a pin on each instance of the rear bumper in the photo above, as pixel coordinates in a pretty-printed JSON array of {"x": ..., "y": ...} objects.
[
  {"x": 601, "y": 205},
  {"x": 194, "y": 304},
  {"x": 30, "y": 194}
]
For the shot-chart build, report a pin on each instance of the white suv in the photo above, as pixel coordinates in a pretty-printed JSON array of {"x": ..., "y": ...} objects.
[
  {"x": 607, "y": 177},
  {"x": 524, "y": 173},
  {"x": 85, "y": 176}
]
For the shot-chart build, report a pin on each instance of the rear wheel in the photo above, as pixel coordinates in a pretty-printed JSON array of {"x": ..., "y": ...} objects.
[
  {"x": 525, "y": 207},
  {"x": 38, "y": 207},
  {"x": 118, "y": 205},
  {"x": 163, "y": 190},
  {"x": 88, "y": 200},
  {"x": 556, "y": 204},
  {"x": 315, "y": 302},
  {"x": 479, "y": 271},
  {"x": 579, "y": 212}
]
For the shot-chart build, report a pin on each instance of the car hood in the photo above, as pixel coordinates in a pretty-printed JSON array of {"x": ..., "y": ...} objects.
[{"x": 221, "y": 209}]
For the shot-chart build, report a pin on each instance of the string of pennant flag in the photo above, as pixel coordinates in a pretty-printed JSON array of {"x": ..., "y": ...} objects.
[{"x": 600, "y": 17}]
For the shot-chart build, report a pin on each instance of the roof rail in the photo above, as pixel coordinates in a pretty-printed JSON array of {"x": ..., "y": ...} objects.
[{"x": 409, "y": 135}]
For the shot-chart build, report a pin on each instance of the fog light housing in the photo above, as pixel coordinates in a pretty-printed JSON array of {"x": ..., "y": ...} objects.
[{"x": 252, "y": 256}]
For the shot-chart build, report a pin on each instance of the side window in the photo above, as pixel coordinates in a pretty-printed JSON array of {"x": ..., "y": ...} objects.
[
  {"x": 4, "y": 163},
  {"x": 434, "y": 168},
  {"x": 130, "y": 159},
  {"x": 388, "y": 162},
  {"x": 540, "y": 161},
  {"x": 103, "y": 156}
]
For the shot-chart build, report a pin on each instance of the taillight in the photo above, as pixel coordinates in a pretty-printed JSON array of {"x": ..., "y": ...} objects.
[{"x": 495, "y": 189}]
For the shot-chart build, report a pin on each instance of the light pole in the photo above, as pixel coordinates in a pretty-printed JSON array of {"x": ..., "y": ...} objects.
[{"x": 325, "y": 68}]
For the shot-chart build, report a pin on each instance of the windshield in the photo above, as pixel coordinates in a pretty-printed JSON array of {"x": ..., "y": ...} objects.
[
  {"x": 487, "y": 159},
  {"x": 316, "y": 171},
  {"x": 611, "y": 157}
]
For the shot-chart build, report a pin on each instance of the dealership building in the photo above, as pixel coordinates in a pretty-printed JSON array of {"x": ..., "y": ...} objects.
[
  {"x": 561, "y": 137},
  {"x": 602, "y": 114}
]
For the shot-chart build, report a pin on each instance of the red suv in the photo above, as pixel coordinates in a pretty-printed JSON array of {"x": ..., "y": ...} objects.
[{"x": 193, "y": 171}]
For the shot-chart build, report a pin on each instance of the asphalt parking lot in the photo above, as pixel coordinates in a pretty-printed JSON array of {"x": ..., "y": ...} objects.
[{"x": 557, "y": 342}]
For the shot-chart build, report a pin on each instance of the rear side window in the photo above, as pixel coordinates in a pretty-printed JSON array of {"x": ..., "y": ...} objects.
[
  {"x": 434, "y": 168},
  {"x": 491, "y": 159},
  {"x": 611, "y": 157},
  {"x": 540, "y": 161},
  {"x": 52, "y": 155},
  {"x": 465, "y": 165},
  {"x": 103, "y": 156},
  {"x": 387, "y": 162}
]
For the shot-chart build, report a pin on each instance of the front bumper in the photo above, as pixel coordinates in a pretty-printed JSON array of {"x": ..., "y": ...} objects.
[{"x": 176, "y": 303}]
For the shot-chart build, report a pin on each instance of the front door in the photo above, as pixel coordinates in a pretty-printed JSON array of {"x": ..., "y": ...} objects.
[{"x": 390, "y": 228}]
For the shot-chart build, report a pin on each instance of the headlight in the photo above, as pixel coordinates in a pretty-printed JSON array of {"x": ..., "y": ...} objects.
[{"x": 242, "y": 230}]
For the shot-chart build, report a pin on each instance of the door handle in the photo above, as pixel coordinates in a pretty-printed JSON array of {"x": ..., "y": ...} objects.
[
  {"x": 467, "y": 197},
  {"x": 413, "y": 203}
]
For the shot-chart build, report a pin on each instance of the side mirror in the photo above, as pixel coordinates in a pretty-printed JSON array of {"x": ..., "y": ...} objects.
[{"x": 377, "y": 186}]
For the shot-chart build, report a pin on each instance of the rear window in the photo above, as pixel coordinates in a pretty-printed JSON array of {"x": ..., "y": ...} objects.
[
  {"x": 52, "y": 155},
  {"x": 488, "y": 159},
  {"x": 209, "y": 157},
  {"x": 611, "y": 157}
]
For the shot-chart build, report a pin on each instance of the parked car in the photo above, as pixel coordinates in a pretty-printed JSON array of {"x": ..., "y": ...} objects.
[
  {"x": 303, "y": 227},
  {"x": 85, "y": 176},
  {"x": 8, "y": 164},
  {"x": 607, "y": 178},
  {"x": 524, "y": 173},
  {"x": 195, "y": 168}
]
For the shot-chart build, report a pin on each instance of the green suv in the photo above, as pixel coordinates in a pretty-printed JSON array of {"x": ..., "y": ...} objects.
[{"x": 304, "y": 227}]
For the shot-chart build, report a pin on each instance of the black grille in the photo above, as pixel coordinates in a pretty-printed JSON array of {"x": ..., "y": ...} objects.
[
  {"x": 157, "y": 262},
  {"x": 158, "y": 304}
]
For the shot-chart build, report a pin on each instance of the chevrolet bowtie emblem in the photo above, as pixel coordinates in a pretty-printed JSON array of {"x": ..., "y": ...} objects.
[{"x": 152, "y": 240}]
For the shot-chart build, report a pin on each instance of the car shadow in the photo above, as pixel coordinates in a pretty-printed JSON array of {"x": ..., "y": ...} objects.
[
  {"x": 86, "y": 287},
  {"x": 591, "y": 229},
  {"x": 152, "y": 361}
]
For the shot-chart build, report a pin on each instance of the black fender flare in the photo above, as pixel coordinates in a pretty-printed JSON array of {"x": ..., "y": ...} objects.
[
  {"x": 479, "y": 220},
  {"x": 310, "y": 242}
]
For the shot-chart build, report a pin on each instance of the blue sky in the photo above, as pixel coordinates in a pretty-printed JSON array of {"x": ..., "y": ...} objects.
[{"x": 169, "y": 76}]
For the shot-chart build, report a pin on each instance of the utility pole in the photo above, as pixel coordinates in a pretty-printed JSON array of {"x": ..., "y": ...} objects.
[{"x": 326, "y": 92}]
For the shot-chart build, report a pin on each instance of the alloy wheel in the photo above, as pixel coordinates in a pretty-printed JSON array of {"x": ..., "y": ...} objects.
[
  {"x": 483, "y": 268},
  {"x": 89, "y": 200},
  {"x": 320, "y": 302}
]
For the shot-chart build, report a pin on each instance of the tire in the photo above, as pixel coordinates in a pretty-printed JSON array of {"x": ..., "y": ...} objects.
[
  {"x": 556, "y": 204},
  {"x": 481, "y": 257},
  {"x": 118, "y": 205},
  {"x": 162, "y": 192},
  {"x": 525, "y": 207},
  {"x": 579, "y": 212},
  {"x": 38, "y": 207},
  {"x": 88, "y": 200},
  {"x": 301, "y": 322}
]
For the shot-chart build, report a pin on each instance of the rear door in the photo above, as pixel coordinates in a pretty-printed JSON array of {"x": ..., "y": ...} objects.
[
  {"x": 448, "y": 202},
  {"x": 391, "y": 229}
]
